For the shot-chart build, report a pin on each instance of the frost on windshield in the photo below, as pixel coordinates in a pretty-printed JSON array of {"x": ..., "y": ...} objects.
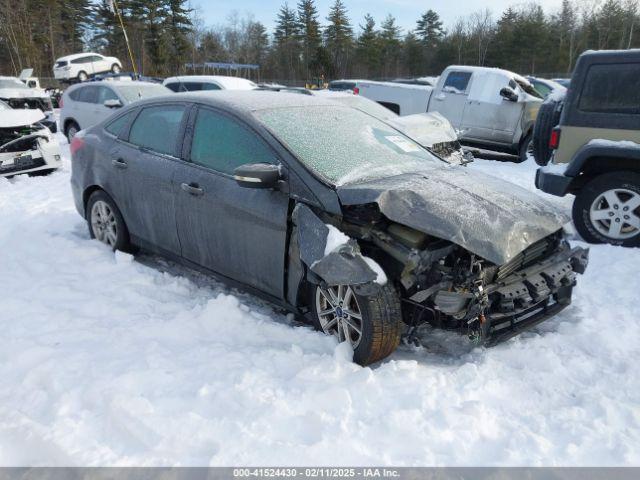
[{"x": 344, "y": 145}]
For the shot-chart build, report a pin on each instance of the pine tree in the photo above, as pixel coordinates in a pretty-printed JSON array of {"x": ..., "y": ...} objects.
[
  {"x": 339, "y": 38},
  {"x": 309, "y": 32},
  {"x": 286, "y": 42},
  {"x": 390, "y": 44},
  {"x": 368, "y": 47},
  {"x": 429, "y": 28},
  {"x": 177, "y": 28}
]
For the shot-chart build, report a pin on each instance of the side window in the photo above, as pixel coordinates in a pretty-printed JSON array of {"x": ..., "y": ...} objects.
[
  {"x": 174, "y": 87},
  {"x": 81, "y": 60},
  {"x": 115, "y": 127},
  {"x": 88, "y": 94},
  {"x": 96, "y": 58},
  {"x": 222, "y": 144},
  {"x": 157, "y": 128},
  {"x": 191, "y": 86},
  {"x": 105, "y": 93},
  {"x": 75, "y": 94},
  {"x": 457, "y": 82},
  {"x": 611, "y": 88},
  {"x": 210, "y": 86}
]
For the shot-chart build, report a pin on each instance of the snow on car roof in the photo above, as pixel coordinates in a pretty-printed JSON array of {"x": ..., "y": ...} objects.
[
  {"x": 227, "y": 82},
  {"x": 506, "y": 73},
  {"x": 78, "y": 55}
]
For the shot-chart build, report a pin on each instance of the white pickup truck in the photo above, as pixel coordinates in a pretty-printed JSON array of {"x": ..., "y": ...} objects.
[{"x": 490, "y": 108}]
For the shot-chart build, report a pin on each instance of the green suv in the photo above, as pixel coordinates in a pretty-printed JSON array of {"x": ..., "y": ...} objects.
[{"x": 592, "y": 137}]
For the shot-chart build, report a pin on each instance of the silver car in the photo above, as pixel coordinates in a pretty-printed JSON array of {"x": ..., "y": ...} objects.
[{"x": 87, "y": 104}]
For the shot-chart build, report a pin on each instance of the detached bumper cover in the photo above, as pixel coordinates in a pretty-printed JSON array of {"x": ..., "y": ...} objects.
[
  {"x": 533, "y": 295},
  {"x": 553, "y": 183}
]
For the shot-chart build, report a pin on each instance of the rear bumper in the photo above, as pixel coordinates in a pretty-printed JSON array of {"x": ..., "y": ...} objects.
[{"x": 552, "y": 183}]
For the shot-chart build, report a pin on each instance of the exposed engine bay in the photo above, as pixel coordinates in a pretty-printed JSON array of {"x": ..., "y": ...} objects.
[
  {"x": 443, "y": 284},
  {"x": 25, "y": 144}
]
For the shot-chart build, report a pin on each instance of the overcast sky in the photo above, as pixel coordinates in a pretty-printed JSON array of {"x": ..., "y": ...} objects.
[{"x": 406, "y": 11}]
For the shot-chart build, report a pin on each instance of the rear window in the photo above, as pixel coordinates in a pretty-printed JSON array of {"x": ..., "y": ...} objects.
[
  {"x": 61, "y": 64},
  {"x": 611, "y": 88},
  {"x": 86, "y": 94},
  {"x": 457, "y": 82},
  {"x": 157, "y": 128}
]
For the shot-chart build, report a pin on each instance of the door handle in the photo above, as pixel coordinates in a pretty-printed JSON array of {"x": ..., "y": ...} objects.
[
  {"x": 192, "y": 189},
  {"x": 119, "y": 163}
]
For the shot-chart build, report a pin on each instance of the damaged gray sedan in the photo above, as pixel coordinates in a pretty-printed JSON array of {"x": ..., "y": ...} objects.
[{"x": 325, "y": 211}]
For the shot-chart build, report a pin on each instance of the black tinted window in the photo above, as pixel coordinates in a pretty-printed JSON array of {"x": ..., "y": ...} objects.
[
  {"x": 457, "y": 82},
  {"x": 88, "y": 94},
  {"x": 157, "y": 128},
  {"x": 81, "y": 60},
  {"x": 115, "y": 127},
  {"x": 174, "y": 87},
  {"x": 105, "y": 93},
  {"x": 222, "y": 144},
  {"x": 611, "y": 89}
]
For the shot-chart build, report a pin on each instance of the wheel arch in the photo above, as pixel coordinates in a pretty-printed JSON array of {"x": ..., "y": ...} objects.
[
  {"x": 593, "y": 161},
  {"x": 86, "y": 194}
]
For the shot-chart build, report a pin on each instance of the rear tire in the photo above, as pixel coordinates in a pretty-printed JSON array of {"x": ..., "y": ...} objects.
[
  {"x": 525, "y": 149},
  {"x": 548, "y": 119},
  {"x": 106, "y": 223},
  {"x": 607, "y": 209},
  {"x": 82, "y": 76},
  {"x": 381, "y": 322},
  {"x": 115, "y": 68}
]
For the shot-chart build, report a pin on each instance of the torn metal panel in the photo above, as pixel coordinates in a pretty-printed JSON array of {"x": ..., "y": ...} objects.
[
  {"x": 343, "y": 266},
  {"x": 483, "y": 214}
]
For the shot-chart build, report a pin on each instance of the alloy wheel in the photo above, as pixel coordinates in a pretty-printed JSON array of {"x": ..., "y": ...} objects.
[
  {"x": 616, "y": 214},
  {"x": 339, "y": 313},
  {"x": 104, "y": 224}
]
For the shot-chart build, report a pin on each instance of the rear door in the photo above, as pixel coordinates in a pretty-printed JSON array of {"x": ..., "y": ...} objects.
[
  {"x": 145, "y": 165},
  {"x": 450, "y": 99},
  {"x": 99, "y": 111},
  {"x": 237, "y": 232}
]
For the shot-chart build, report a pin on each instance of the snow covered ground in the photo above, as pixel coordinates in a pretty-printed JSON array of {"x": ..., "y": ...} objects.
[{"x": 107, "y": 360}]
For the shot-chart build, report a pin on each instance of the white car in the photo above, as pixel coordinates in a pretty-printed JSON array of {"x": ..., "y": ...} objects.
[
  {"x": 26, "y": 146},
  {"x": 81, "y": 66},
  {"x": 17, "y": 95},
  {"x": 87, "y": 104},
  {"x": 192, "y": 83}
]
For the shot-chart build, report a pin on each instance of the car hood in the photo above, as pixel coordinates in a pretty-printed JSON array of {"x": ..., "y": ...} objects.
[
  {"x": 427, "y": 129},
  {"x": 21, "y": 93},
  {"x": 20, "y": 118},
  {"x": 487, "y": 216}
]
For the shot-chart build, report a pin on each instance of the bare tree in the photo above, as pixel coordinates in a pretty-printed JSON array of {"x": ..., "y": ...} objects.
[{"x": 482, "y": 30}]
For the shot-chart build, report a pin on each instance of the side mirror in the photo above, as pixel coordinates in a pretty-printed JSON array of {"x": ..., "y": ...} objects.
[
  {"x": 257, "y": 175},
  {"x": 113, "y": 103},
  {"x": 509, "y": 94}
]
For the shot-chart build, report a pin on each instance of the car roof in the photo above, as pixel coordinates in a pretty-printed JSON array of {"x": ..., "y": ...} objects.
[
  {"x": 223, "y": 80},
  {"x": 245, "y": 101},
  {"x": 78, "y": 55},
  {"x": 507, "y": 73}
]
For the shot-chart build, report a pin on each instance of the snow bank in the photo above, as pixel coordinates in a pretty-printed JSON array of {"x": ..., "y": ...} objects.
[{"x": 107, "y": 360}]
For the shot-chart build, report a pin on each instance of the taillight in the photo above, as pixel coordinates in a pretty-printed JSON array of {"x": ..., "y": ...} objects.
[
  {"x": 76, "y": 144},
  {"x": 356, "y": 91},
  {"x": 554, "y": 141}
]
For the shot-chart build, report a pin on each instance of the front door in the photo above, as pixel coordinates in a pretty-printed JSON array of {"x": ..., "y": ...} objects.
[
  {"x": 489, "y": 117},
  {"x": 145, "y": 166},
  {"x": 238, "y": 232},
  {"x": 451, "y": 100}
]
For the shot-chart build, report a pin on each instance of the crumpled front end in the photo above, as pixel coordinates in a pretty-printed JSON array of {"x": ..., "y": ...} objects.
[{"x": 28, "y": 149}]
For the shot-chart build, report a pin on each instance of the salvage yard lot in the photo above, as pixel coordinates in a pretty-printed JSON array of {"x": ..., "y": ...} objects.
[{"x": 107, "y": 360}]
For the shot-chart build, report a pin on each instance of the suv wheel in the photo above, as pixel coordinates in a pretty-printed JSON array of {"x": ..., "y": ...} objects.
[
  {"x": 607, "y": 209},
  {"x": 71, "y": 131},
  {"x": 115, "y": 68},
  {"x": 526, "y": 149},
  {"x": 371, "y": 324},
  {"x": 82, "y": 76},
  {"x": 106, "y": 223}
]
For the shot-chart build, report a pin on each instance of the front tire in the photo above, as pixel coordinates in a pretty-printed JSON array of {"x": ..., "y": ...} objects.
[
  {"x": 82, "y": 76},
  {"x": 526, "y": 149},
  {"x": 115, "y": 68},
  {"x": 371, "y": 324},
  {"x": 607, "y": 209},
  {"x": 106, "y": 223},
  {"x": 72, "y": 129}
]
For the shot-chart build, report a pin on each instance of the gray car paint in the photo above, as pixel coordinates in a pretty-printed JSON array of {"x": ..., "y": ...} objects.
[{"x": 489, "y": 217}]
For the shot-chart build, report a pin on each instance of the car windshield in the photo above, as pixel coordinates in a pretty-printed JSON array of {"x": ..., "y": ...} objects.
[
  {"x": 344, "y": 145},
  {"x": 132, "y": 92},
  {"x": 12, "y": 83}
]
